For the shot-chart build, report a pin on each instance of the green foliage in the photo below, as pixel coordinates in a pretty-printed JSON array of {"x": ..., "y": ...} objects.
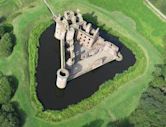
[
  {"x": 33, "y": 58},
  {"x": 106, "y": 89},
  {"x": 152, "y": 108},
  {"x": 5, "y": 89},
  {"x": 6, "y": 44},
  {"x": 159, "y": 74},
  {"x": 5, "y": 28},
  {"x": 7, "y": 40},
  {"x": 2, "y": 31},
  {"x": 9, "y": 116},
  {"x": 8, "y": 27}
]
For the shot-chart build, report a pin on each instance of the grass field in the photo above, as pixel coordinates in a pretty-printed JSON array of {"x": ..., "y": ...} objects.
[
  {"x": 160, "y": 4},
  {"x": 141, "y": 26}
]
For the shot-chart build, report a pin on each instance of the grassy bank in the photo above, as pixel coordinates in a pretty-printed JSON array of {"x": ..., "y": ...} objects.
[
  {"x": 160, "y": 4},
  {"x": 106, "y": 89},
  {"x": 146, "y": 22}
]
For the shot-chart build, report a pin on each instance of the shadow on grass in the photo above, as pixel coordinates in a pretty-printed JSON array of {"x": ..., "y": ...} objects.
[
  {"x": 120, "y": 123},
  {"x": 22, "y": 115},
  {"x": 8, "y": 27},
  {"x": 95, "y": 123},
  {"x": 2, "y": 19},
  {"x": 14, "y": 84},
  {"x": 92, "y": 18}
]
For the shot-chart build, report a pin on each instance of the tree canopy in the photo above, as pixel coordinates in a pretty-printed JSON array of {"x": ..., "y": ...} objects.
[
  {"x": 9, "y": 116},
  {"x": 152, "y": 106},
  {"x": 2, "y": 31},
  {"x": 5, "y": 89},
  {"x": 7, "y": 40},
  {"x": 152, "y": 109}
]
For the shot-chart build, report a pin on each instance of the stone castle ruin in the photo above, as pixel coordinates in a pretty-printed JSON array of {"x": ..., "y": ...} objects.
[{"x": 86, "y": 49}]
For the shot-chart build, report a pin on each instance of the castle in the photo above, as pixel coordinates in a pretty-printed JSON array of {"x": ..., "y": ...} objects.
[{"x": 86, "y": 48}]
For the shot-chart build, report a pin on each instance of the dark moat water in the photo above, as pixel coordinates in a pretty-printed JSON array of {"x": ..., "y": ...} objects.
[{"x": 80, "y": 88}]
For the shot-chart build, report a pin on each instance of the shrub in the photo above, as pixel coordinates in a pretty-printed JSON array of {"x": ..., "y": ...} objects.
[
  {"x": 5, "y": 89},
  {"x": 2, "y": 31},
  {"x": 151, "y": 109},
  {"x": 6, "y": 44},
  {"x": 7, "y": 40},
  {"x": 9, "y": 116}
]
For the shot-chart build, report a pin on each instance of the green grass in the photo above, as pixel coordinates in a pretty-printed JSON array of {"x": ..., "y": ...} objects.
[
  {"x": 15, "y": 7},
  {"x": 106, "y": 89},
  {"x": 160, "y": 4},
  {"x": 140, "y": 26},
  {"x": 146, "y": 22}
]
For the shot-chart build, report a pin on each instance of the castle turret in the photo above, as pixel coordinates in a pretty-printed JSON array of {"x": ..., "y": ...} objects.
[
  {"x": 62, "y": 77},
  {"x": 61, "y": 26}
]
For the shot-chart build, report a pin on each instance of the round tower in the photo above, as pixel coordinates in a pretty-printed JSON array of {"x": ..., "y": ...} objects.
[{"x": 62, "y": 76}]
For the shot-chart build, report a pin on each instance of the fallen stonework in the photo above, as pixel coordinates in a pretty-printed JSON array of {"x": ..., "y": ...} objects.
[{"x": 86, "y": 48}]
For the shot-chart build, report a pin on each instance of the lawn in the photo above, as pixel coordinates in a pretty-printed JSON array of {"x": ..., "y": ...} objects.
[
  {"x": 131, "y": 18},
  {"x": 160, "y": 4}
]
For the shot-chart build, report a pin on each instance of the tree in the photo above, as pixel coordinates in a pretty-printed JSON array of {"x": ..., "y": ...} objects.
[
  {"x": 9, "y": 116},
  {"x": 2, "y": 30},
  {"x": 6, "y": 44},
  {"x": 5, "y": 89},
  {"x": 152, "y": 106},
  {"x": 7, "y": 40},
  {"x": 151, "y": 110},
  {"x": 5, "y": 28}
]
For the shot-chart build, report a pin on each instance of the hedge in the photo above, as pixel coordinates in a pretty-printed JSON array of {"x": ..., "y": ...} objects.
[{"x": 105, "y": 89}]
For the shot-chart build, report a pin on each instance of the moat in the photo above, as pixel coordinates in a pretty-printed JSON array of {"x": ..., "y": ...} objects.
[{"x": 77, "y": 89}]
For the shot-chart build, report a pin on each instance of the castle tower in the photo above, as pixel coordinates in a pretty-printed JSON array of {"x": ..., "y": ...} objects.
[
  {"x": 61, "y": 27},
  {"x": 62, "y": 76}
]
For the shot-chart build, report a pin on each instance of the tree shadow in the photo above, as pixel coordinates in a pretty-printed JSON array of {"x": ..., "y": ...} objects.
[
  {"x": 13, "y": 40},
  {"x": 95, "y": 123},
  {"x": 21, "y": 114},
  {"x": 120, "y": 123},
  {"x": 2, "y": 19},
  {"x": 14, "y": 84},
  {"x": 92, "y": 18},
  {"x": 8, "y": 27}
]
